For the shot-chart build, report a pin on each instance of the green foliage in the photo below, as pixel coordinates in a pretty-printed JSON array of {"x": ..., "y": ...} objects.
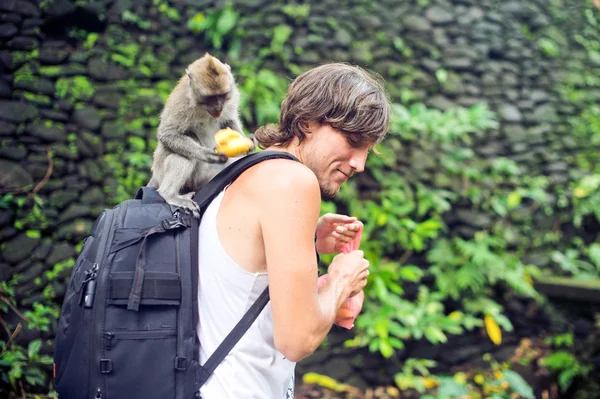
[
  {"x": 125, "y": 54},
  {"x": 565, "y": 340},
  {"x": 131, "y": 169},
  {"x": 497, "y": 382},
  {"x": 470, "y": 267},
  {"x": 566, "y": 367},
  {"x": 586, "y": 197},
  {"x": 406, "y": 217},
  {"x": 90, "y": 41},
  {"x": 28, "y": 212},
  {"x": 297, "y": 11},
  {"x": 219, "y": 26},
  {"x": 260, "y": 96},
  {"x": 18, "y": 364},
  {"x": 419, "y": 122},
  {"x": 549, "y": 47},
  {"x": 76, "y": 88},
  {"x": 407, "y": 378},
  {"x": 130, "y": 18},
  {"x": 163, "y": 7}
]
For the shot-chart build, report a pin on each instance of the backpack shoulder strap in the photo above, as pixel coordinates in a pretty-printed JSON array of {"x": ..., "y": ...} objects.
[{"x": 233, "y": 171}]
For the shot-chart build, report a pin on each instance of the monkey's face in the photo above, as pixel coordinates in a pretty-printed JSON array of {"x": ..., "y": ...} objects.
[{"x": 214, "y": 104}]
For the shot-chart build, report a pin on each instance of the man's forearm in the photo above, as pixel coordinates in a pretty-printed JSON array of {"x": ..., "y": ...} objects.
[{"x": 312, "y": 329}]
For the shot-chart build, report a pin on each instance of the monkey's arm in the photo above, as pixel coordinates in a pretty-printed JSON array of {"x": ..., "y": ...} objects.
[{"x": 187, "y": 147}]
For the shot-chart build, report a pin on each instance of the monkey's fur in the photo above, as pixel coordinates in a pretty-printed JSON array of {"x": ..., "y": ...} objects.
[{"x": 204, "y": 100}]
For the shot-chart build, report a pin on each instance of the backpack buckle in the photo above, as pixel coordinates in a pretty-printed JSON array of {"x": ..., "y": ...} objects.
[
  {"x": 180, "y": 220},
  {"x": 106, "y": 366},
  {"x": 180, "y": 363}
]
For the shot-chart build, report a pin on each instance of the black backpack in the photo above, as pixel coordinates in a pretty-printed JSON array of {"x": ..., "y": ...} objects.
[{"x": 127, "y": 327}]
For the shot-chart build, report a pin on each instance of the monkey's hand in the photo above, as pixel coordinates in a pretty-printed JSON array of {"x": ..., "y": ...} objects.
[
  {"x": 254, "y": 143},
  {"x": 214, "y": 157}
]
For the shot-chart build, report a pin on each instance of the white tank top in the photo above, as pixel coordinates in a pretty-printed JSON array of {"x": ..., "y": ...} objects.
[{"x": 254, "y": 368}]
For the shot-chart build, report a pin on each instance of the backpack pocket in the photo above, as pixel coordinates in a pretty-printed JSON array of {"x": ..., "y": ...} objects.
[
  {"x": 125, "y": 351},
  {"x": 161, "y": 296},
  {"x": 69, "y": 339}
]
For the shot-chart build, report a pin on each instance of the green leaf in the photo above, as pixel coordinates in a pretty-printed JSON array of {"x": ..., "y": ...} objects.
[
  {"x": 396, "y": 343},
  {"x": 34, "y": 348},
  {"x": 380, "y": 287},
  {"x": 441, "y": 75},
  {"x": 385, "y": 348},
  {"x": 280, "y": 34},
  {"x": 435, "y": 335},
  {"x": 381, "y": 327},
  {"x": 565, "y": 379},
  {"x": 397, "y": 330},
  {"x": 518, "y": 384},
  {"x": 226, "y": 21},
  {"x": 450, "y": 389},
  {"x": 513, "y": 200},
  {"x": 410, "y": 273},
  {"x": 594, "y": 254},
  {"x": 33, "y": 233}
]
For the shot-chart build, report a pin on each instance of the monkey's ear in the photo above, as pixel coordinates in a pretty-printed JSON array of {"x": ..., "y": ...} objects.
[
  {"x": 212, "y": 66},
  {"x": 227, "y": 66}
]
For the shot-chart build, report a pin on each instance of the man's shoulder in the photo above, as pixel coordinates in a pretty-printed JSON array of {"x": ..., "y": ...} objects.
[{"x": 283, "y": 174}]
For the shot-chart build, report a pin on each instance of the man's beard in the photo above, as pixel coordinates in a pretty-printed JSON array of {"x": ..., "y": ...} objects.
[{"x": 328, "y": 193}]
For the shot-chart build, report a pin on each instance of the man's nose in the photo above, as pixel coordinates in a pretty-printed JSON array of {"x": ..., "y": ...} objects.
[{"x": 358, "y": 161}]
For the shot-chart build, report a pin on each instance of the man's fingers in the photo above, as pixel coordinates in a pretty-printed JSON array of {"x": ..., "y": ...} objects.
[
  {"x": 337, "y": 218},
  {"x": 348, "y": 229}
]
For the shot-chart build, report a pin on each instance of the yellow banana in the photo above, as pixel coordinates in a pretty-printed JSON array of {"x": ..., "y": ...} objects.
[
  {"x": 224, "y": 135},
  {"x": 235, "y": 147}
]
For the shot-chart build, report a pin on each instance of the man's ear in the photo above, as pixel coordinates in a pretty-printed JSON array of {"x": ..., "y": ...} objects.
[{"x": 310, "y": 127}]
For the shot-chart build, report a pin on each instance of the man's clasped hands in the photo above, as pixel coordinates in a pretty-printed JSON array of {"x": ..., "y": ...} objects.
[{"x": 340, "y": 233}]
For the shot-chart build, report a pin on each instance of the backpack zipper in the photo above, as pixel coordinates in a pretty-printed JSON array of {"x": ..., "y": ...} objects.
[
  {"x": 89, "y": 286},
  {"x": 140, "y": 334}
]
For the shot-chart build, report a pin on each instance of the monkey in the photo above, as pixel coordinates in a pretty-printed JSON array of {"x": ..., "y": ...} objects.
[{"x": 205, "y": 100}]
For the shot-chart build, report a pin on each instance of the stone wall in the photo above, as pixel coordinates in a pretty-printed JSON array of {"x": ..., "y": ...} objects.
[{"x": 65, "y": 104}]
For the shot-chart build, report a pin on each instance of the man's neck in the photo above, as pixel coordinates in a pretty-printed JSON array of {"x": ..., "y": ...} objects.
[{"x": 292, "y": 148}]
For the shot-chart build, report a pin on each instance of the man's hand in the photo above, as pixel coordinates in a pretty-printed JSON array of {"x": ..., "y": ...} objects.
[{"x": 334, "y": 231}]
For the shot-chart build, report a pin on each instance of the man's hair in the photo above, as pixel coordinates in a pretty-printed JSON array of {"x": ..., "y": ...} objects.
[{"x": 344, "y": 96}]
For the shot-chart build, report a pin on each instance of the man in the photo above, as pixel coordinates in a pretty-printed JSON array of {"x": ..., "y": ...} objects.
[{"x": 261, "y": 230}]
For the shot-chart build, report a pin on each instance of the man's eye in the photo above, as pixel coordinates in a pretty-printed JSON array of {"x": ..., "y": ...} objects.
[{"x": 355, "y": 143}]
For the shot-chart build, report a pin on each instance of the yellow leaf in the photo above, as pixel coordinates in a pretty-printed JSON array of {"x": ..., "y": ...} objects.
[
  {"x": 430, "y": 382},
  {"x": 580, "y": 192},
  {"x": 324, "y": 381},
  {"x": 199, "y": 17},
  {"x": 392, "y": 391},
  {"x": 460, "y": 378},
  {"x": 514, "y": 199},
  {"x": 493, "y": 330},
  {"x": 528, "y": 279},
  {"x": 455, "y": 315}
]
